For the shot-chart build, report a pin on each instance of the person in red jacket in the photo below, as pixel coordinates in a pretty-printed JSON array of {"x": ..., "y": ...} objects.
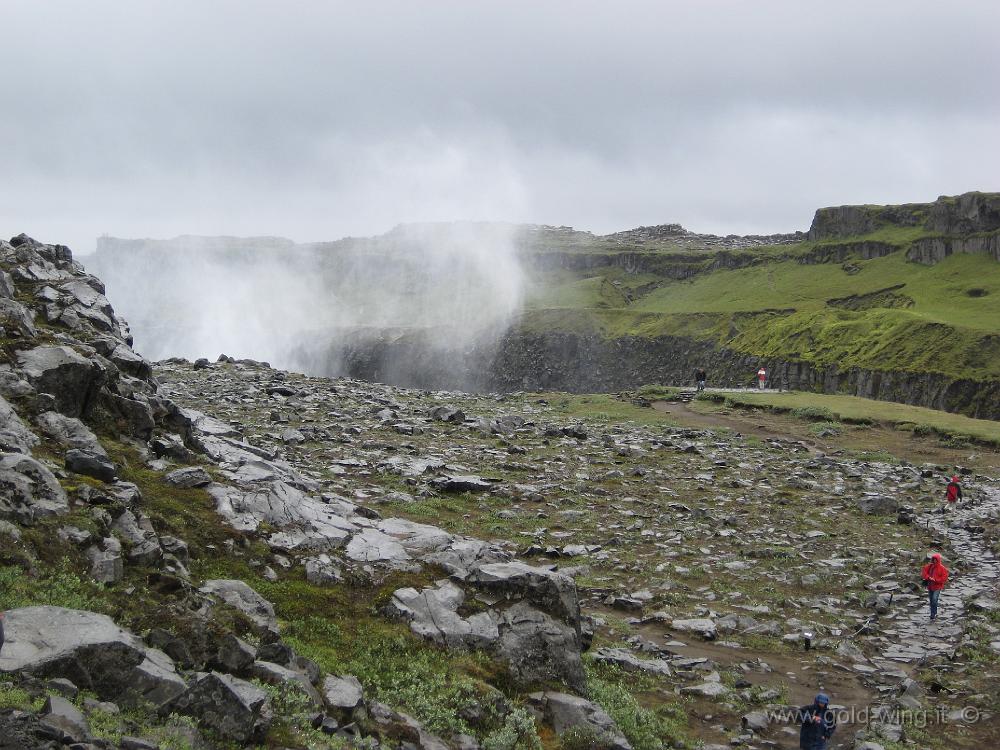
[
  {"x": 935, "y": 576},
  {"x": 954, "y": 492}
]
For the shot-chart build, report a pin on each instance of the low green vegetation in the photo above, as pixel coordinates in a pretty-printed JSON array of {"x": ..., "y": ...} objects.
[
  {"x": 603, "y": 408},
  {"x": 885, "y": 313},
  {"x": 831, "y": 407},
  {"x": 646, "y": 728}
]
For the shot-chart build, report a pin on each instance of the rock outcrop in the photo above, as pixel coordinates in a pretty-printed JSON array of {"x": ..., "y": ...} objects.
[{"x": 91, "y": 651}]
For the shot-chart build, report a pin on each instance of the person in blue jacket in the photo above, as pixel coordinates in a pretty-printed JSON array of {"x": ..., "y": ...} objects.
[{"x": 818, "y": 724}]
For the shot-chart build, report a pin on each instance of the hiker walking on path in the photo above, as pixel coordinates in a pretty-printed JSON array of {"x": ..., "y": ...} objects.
[
  {"x": 699, "y": 378},
  {"x": 818, "y": 724},
  {"x": 761, "y": 377},
  {"x": 954, "y": 492},
  {"x": 935, "y": 576}
]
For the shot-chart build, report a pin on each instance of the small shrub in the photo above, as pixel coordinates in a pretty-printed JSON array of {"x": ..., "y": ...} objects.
[
  {"x": 825, "y": 429},
  {"x": 646, "y": 729},
  {"x": 584, "y": 738},
  {"x": 518, "y": 732},
  {"x": 60, "y": 587},
  {"x": 11, "y": 696},
  {"x": 658, "y": 392},
  {"x": 814, "y": 413},
  {"x": 287, "y": 701}
]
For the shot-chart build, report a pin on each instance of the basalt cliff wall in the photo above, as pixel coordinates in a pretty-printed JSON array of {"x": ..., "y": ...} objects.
[{"x": 591, "y": 363}]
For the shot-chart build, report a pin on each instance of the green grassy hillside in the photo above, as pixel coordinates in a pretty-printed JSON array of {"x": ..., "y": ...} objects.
[{"x": 882, "y": 313}]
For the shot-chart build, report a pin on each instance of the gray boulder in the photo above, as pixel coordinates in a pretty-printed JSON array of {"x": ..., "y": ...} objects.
[
  {"x": 235, "y": 655},
  {"x": 550, "y": 591},
  {"x": 703, "y": 626},
  {"x": 106, "y": 564},
  {"x": 540, "y": 648},
  {"x": 628, "y": 661},
  {"x": 65, "y": 719},
  {"x": 69, "y": 377},
  {"x": 307, "y": 523},
  {"x": 446, "y": 413},
  {"x": 191, "y": 476},
  {"x": 235, "y": 709},
  {"x": 342, "y": 693},
  {"x": 239, "y": 595},
  {"x": 17, "y": 319},
  {"x": 403, "y": 730},
  {"x": 69, "y": 432},
  {"x": 878, "y": 505},
  {"x": 564, "y": 712},
  {"x": 6, "y": 285},
  {"x": 433, "y": 614},
  {"x": 284, "y": 677},
  {"x": 372, "y": 545},
  {"x": 91, "y": 651},
  {"x": 15, "y": 437},
  {"x": 91, "y": 464},
  {"x": 461, "y": 483},
  {"x": 28, "y": 490},
  {"x": 755, "y": 721}
]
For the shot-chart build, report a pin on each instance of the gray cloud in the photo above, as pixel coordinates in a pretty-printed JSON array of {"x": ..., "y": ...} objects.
[{"x": 319, "y": 119}]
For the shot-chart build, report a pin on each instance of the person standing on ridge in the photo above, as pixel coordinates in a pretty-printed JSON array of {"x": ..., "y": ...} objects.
[
  {"x": 761, "y": 377},
  {"x": 954, "y": 492},
  {"x": 699, "y": 378},
  {"x": 818, "y": 724},
  {"x": 935, "y": 576}
]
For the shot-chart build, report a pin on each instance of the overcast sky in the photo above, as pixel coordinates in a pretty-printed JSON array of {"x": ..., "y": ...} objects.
[{"x": 318, "y": 119}]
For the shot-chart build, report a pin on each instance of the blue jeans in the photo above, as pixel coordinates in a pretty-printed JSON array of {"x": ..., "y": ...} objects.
[{"x": 934, "y": 596}]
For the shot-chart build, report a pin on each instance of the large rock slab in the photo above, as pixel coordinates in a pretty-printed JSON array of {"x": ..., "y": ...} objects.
[
  {"x": 91, "y": 651},
  {"x": 241, "y": 596},
  {"x": 315, "y": 524},
  {"x": 433, "y": 614},
  {"x": 69, "y": 432},
  {"x": 235, "y": 709},
  {"x": 15, "y": 437},
  {"x": 342, "y": 693},
  {"x": 540, "y": 648},
  {"x": 878, "y": 505},
  {"x": 550, "y": 591},
  {"x": 564, "y": 712},
  {"x": 68, "y": 376},
  {"x": 96, "y": 465},
  {"x": 703, "y": 626},
  {"x": 28, "y": 490},
  {"x": 16, "y": 318},
  {"x": 371, "y": 545}
]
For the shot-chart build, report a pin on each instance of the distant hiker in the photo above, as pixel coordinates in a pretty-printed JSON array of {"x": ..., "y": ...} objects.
[
  {"x": 935, "y": 576},
  {"x": 818, "y": 724},
  {"x": 1, "y": 631},
  {"x": 761, "y": 377},
  {"x": 699, "y": 378},
  {"x": 954, "y": 491}
]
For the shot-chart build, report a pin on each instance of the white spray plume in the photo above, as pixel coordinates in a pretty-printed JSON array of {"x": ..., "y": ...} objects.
[{"x": 269, "y": 299}]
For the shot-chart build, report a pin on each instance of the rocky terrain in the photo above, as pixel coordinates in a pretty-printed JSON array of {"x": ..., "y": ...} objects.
[{"x": 222, "y": 554}]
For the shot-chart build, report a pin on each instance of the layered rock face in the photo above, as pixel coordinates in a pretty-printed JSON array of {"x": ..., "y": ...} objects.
[
  {"x": 580, "y": 363},
  {"x": 969, "y": 213}
]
